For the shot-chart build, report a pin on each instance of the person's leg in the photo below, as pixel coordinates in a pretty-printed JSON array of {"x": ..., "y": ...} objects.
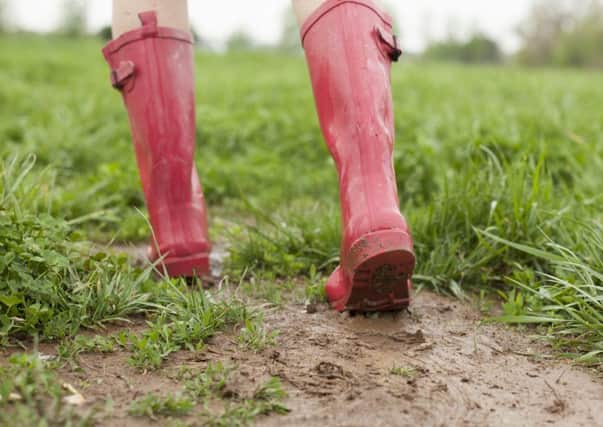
[
  {"x": 304, "y": 8},
  {"x": 349, "y": 46},
  {"x": 170, "y": 13},
  {"x": 152, "y": 66}
]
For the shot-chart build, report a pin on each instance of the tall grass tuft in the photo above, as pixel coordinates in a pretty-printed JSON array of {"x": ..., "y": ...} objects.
[
  {"x": 299, "y": 240},
  {"x": 514, "y": 198},
  {"x": 567, "y": 296},
  {"x": 51, "y": 282}
]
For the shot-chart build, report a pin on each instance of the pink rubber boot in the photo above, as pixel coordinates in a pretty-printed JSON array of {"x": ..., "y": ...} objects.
[
  {"x": 153, "y": 69},
  {"x": 349, "y": 47}
]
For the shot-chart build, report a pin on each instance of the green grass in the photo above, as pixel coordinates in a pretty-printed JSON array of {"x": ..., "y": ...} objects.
[
  {"x": 499, "y": 172},
  {"x": 153, "y": 406},
  {"x": 188, "y": 318},
  {"x": 266, "y": 400},
  {"x": 255, "y": 336},
  {"x": 211, "y": 382},
  {"x": 51, "y": 282},
  {"x": 31, "y": 394},
  {"x": 204, "y": 388},
  {"x": 69, "y": 349},
  {"x": 403, "y": 371},
  {"x": 568, "y": 295}
]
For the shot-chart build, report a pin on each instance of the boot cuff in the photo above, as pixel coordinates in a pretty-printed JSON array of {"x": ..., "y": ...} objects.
[
  {"x": 149, "y": 29},
  {"x": 329, "y": 5}
]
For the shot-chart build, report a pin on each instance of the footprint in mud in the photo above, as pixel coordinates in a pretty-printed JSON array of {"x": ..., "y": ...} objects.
[
  {"x": 329, "y": 370},
  {"x": 322, "y": 380}
]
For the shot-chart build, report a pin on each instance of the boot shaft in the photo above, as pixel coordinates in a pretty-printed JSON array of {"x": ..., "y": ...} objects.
[
  {"x": 350, "y": 46},
  {"x": 153, "y": 68}
]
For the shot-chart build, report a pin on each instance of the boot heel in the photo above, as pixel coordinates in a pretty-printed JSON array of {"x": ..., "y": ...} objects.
[
  {"x": 380, "y": 267},
  {"x": 189, "y": 266}
]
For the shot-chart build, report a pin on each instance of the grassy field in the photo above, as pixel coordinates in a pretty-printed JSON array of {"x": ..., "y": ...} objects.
[{"x": 499, "y": 169}]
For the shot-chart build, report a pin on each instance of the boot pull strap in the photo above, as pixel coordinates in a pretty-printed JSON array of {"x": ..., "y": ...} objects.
[
  {"x": 391, "y": 42},
  {"x": 149, "y": 23},
  {"x": 121, "y": 75}
]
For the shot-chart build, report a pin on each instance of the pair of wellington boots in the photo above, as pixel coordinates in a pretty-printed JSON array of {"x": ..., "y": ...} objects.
[{"x": 349, "y": 46}]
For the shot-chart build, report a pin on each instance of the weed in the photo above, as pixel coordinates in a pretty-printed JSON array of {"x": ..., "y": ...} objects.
[
  {"x": 266, "y": 400},
  {"x": 403, "y": 371},
  {"x": 153, "y": 406},
  {"x": 567, "y": 296},
  {"x": 189, "y": 318},
  {"x": 69, "y": 349},
  {"x": 315, "y": 290},
  {"x": 31, "y": 394},
  {"x": 255, "y": 336},
  {"x": 288, "y": 244},
  {"x": 485, "y": 303},
  {"x": 51, "y": 284},
  {"x": 265, "y": 286},
  {"x": 208, "y": 383},
  {"x": 270, "y": 390}
]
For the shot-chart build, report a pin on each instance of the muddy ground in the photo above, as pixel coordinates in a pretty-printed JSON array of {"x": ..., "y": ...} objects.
[{"x": 436, "y": 366}]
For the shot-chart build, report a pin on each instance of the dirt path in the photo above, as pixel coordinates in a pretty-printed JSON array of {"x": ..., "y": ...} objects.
[
  {"x": 439, "y": 366},
  {"x": 436, "y": 367},
  {"x": 454, "y": 372}
]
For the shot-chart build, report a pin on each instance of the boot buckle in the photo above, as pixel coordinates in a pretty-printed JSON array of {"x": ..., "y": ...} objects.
[
  {"x": 391, "y": 43},
  {"x": 121, "y": 75},
  {"x": 396, "y": 51}
]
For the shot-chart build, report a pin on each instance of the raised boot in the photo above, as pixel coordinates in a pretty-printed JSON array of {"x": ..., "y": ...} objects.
[
  {"x": 153, "y": 69},
  {"x": 349, "y": 47}
]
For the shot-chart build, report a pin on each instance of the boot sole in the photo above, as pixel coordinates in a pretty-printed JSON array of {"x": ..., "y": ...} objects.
[
  {"x": 189, "y": 266},
  {"x": 380, "y": 266}
]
